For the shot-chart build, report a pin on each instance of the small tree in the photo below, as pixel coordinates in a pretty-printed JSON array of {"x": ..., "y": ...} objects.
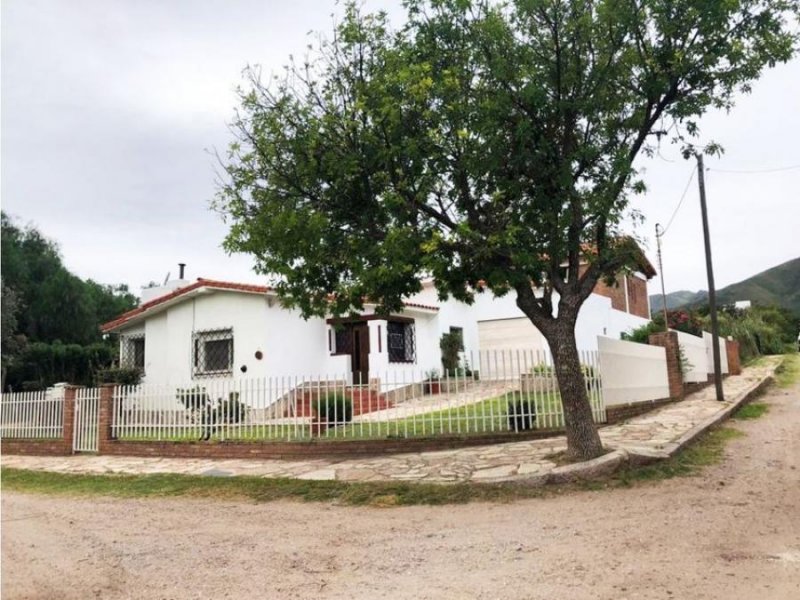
[
  {"x": 451, "y": 344},
  {"x": 491, "y": 145}
]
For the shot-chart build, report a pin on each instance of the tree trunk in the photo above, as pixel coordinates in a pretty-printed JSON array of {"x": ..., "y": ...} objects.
[{"x": 583, "y": 441}]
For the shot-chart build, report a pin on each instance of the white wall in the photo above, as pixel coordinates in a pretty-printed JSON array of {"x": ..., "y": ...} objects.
[
  {"x": 596, "y": 316},
  {"x": 694, "y": 350},
  {"x": 723, "y": 353},
  {"x": 290, "y": 345},
  {"x": 632, "y": 372}
]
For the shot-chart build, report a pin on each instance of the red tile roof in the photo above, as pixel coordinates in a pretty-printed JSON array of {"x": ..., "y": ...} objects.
[
  {"x": 207, "y": 283},
  {"x": 200, "y": 283}
]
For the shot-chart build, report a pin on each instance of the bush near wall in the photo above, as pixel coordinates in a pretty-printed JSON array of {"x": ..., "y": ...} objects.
[
  {"x": 758, "y": 329},
  {"x": 39, "y": 365}
]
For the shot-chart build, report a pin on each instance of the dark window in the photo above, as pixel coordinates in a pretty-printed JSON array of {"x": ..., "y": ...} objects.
[
  {"x": 344, "y": 340},
  {"x": 213, "y": 352},
  {"x": 401, "y": 343},
  {"x": 132, "y": 352}
]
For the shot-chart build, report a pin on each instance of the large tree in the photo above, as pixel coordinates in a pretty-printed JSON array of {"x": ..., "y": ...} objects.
[{"x": 490, "y": 145}]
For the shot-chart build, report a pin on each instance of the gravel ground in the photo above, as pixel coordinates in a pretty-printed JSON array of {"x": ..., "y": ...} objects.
[{"x": 732, "y": 532}]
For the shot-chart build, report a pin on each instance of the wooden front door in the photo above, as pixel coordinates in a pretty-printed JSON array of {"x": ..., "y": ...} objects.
[{"x": 359, "y": 357}]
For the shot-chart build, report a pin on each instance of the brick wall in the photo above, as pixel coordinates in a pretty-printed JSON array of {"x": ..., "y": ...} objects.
[
  {"x": 620, "y": 412},
  {"x": 669, "y": 340},
  {"x": 734, "y": 362},
  {"x": 615, "y": 292},
  {"x": 637, "y": 297},
  {"x": 280, "y": 450}
]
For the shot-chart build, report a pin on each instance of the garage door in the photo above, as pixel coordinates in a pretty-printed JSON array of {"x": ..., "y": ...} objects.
[{"x": 509, "y": 344}]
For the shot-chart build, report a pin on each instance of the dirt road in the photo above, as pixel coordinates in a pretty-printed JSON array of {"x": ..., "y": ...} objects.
[{"x": 733, "y": 532}]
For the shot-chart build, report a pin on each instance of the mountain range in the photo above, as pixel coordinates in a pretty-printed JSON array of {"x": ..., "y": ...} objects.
[{"x": 779, "y": 285}]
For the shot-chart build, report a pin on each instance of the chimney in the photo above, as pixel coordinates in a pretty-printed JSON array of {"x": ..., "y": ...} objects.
[{"x": 181, "y": 267}]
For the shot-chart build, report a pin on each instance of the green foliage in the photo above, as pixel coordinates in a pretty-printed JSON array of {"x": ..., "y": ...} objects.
[
  {"x": 758, "y": 329},
  {"x": 42, "y": 365},
  {"x": 489, "y": 145},
  {"x": 211, "y": 414},
  {"x": 194, "y": 399},
  {"x": 54, "y": 305},
  {"x": 754, "y": 410},
  {"x": 51, "y": 318},
  {"x": 641, "y": 335},
  {"x": 451, "y": 344},
  {"x": 684, "y": 320},
  {"x": 543, "y": 370},
  {"x": 473, "y": 144},
  {"x": 119, "y": 375},
  {"x": 334, "y": 409},
  {"x": 231, "y": 409}
]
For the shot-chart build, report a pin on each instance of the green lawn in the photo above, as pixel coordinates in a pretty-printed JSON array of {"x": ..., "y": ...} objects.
[{"x": 487, "y": 416}]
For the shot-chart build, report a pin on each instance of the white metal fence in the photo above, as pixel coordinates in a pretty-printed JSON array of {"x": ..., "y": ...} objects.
[
  {"x": 32, "y": 415},
  {"x": 87, "y": 417},
  {"x": 519, "y": 393}
]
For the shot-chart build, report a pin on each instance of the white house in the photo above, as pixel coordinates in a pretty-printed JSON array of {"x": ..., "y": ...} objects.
[{"x": 188, "y": 331}]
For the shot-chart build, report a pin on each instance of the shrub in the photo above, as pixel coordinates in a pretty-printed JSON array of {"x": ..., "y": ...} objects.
[
  {"x": 119, "y": 375},
  {"x": 521, "y": 415},
  {"x": 211, "y": 414},
  {"x": 231, "y": 410},
  {"x": 334, "y": 409},
  {"x": 451, "y": 345},
  {"x": 195, "y": 399},
  {"x": 543, "y": 370}
]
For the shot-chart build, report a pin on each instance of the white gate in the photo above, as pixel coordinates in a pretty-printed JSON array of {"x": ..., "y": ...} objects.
[{"x": 87, "y": 420}]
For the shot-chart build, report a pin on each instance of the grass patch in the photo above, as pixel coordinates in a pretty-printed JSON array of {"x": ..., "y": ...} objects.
[
  {"x": 754, "y": 410},
  {"x": 707, "y": 450},
  {"x": 788, "y": 372},
  {"x": 259, "y": 489},
  {"x": 486, "y": 416}
]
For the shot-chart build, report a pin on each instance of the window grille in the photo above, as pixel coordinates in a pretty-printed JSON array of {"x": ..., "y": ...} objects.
[
  {"x": 401, "y": 343},
  {"x": 212, "y": 352},
  {"x": 344, "y": 340},
  {"x": 132, "y": 352}
]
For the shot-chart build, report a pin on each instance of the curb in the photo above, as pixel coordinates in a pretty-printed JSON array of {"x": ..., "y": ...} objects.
[{"x": 609, "y": 463}]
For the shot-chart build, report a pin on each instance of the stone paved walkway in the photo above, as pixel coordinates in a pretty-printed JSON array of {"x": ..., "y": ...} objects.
[{"x": 651, "y": 433}]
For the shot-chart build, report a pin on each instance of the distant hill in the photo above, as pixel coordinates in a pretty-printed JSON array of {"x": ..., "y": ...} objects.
[{"x": 779, "y": 285}]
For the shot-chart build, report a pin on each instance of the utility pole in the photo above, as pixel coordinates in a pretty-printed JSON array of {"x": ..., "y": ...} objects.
[
  {"x": 661, "y": 274},
  {"x": 712, "y": 294}
]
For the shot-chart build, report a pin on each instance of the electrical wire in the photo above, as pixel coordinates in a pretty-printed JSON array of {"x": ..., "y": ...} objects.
[
  {"x": 789, "y": 168},
  {"x": 683, "y": 196}
]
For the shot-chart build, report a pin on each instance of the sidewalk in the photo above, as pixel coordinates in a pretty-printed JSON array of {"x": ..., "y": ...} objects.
[{"x": 653, "y": 435}]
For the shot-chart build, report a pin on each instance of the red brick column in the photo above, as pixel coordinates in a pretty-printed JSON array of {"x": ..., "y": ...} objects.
[
  {"x": 69, "y": 414},
  {"x": 669, "y": 340},
  {"x": 734, "y": 363},
  {"x": 105, "y": 416}
]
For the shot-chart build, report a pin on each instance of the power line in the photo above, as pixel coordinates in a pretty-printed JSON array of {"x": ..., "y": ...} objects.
[
  {"x": 789, "y": 168},
  {"x": 685, "y": 191}
]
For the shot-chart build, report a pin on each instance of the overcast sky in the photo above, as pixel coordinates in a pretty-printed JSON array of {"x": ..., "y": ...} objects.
[{"x": 110, "y": 110}]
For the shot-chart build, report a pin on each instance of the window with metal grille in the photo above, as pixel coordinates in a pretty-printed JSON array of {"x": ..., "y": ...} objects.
[
  {"x": 212, "y": 352},
  {"x": 132, "y": 352},
  {"x": 401, "y": 343},
  {"x": 344, "y": 340}
]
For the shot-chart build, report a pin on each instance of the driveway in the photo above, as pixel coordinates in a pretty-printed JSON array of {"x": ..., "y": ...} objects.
[{"x": 731, "y": 532}]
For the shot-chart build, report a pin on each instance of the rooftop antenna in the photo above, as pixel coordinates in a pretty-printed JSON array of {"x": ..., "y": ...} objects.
[{"x": 166, "y": 279}]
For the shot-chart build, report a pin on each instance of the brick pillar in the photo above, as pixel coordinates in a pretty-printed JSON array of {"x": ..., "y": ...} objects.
[
  {"x": 669, "y": 340},
  {"x": 734, "y": 363},
  {"x": 69, "y": 413},
  {"x": 105, "y": 416}
]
